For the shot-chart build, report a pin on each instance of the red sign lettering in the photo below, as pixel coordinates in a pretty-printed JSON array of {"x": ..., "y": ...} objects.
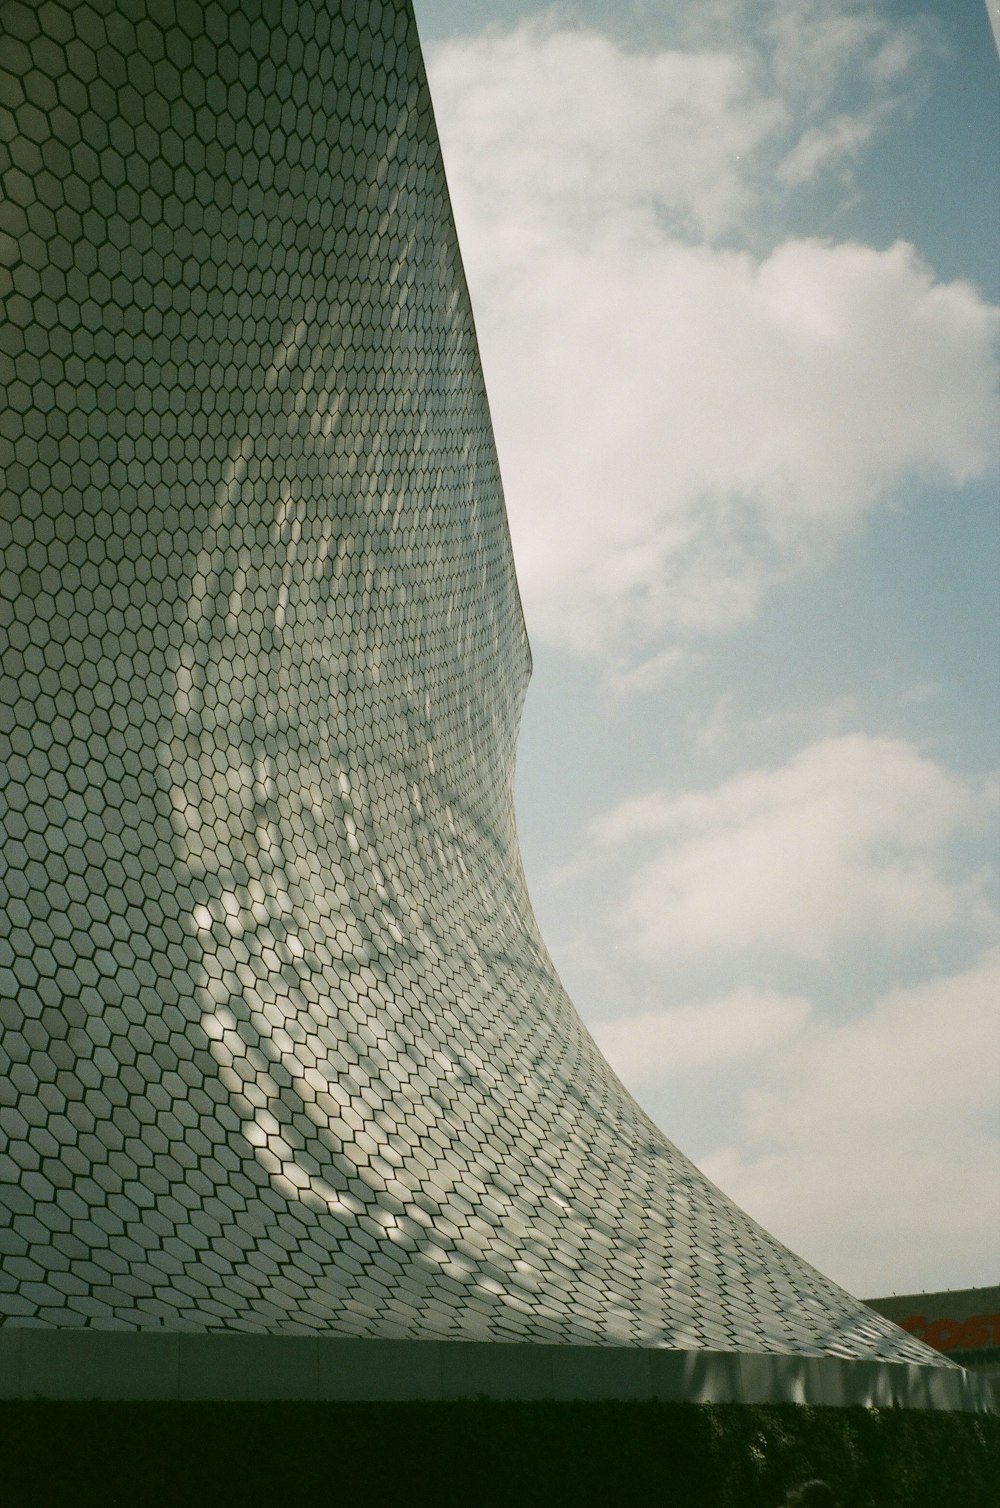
[{"x": 955, "y": 1335}]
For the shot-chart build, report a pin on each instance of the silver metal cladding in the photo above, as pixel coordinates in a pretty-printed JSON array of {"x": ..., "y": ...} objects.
[{"x": 282, "y": 1047}]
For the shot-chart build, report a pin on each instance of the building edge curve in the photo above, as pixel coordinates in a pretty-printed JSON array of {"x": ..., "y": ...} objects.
[{"x": 283, "y": 1049}]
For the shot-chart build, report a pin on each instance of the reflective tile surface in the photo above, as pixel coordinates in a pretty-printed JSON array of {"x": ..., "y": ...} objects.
[{"x": 282, "y": 1048}]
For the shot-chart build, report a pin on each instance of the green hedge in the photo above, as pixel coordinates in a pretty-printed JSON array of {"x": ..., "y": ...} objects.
[{"x": 476, "y": 1455}]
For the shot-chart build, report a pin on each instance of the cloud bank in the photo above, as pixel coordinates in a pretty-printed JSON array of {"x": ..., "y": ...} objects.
[
  {"x": 892, "y": 1117},
  {"x": 686, "y": 411},
  {"x": 849, "y": 839},
  {"x": 699, "y": 392},
  {"x": 864, "y": 1135}
]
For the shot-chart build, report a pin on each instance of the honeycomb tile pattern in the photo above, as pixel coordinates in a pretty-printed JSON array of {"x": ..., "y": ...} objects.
[{"x": 282, "y": 1049}]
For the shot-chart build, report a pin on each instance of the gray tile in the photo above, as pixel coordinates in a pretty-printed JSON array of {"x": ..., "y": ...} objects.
[{"x": 287, "y": 1053}]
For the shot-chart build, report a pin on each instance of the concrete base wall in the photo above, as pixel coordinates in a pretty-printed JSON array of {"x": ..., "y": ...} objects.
[{"x": 150, "y": 1366}]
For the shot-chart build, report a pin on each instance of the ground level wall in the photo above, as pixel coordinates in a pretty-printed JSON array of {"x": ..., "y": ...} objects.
[{"x": 163, "y": 1366}]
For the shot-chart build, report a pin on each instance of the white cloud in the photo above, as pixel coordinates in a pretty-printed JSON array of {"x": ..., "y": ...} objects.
[
  {"x": 543, "y": 127},
  {"x": 724, "y": 728},
  {"x": 822, "y": 147},
  {"x": 650, "y": 1044},
  {"x": 820, "y": 50},
  {"x": 872, "y": 1144},
  {"x": 682, "y": 423},
  {"x": 849, "y": 839},
  {"x": 629, "y": 680}
]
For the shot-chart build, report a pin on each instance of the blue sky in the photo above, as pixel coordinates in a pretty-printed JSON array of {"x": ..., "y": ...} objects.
[{"x": 736, "y": 278}]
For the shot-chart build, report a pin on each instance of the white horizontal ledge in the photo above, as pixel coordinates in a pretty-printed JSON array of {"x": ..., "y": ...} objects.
[{"x": 170, "y": 1366}]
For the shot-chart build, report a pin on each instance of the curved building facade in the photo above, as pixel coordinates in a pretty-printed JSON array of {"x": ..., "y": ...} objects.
[{"x": 282, "y": 1048}]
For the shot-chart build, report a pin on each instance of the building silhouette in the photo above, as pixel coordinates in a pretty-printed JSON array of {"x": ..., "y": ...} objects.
[{"x": 283, "y": 1050}]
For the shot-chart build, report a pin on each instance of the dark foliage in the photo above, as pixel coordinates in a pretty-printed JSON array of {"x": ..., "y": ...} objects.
[{"x": 476, "y": 1455}]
